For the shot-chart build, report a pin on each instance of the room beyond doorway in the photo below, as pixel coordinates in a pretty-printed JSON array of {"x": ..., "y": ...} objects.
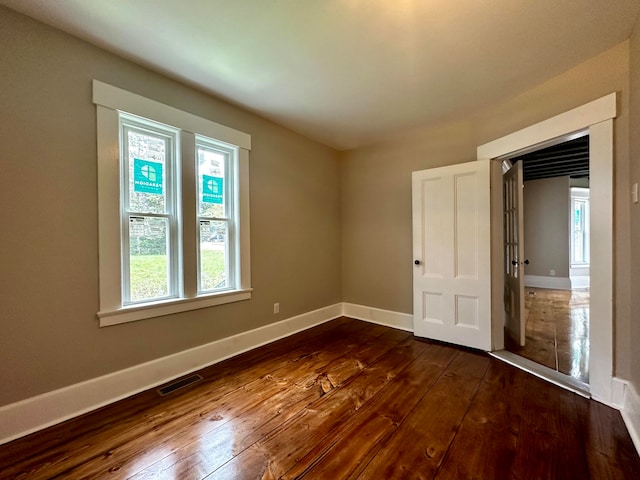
[
  {"x": 557, "y": 331},
  {"x": 556, "y": 313}
]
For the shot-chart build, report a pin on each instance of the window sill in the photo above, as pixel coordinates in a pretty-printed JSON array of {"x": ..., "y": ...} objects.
[{"x": 167, "y": 307}]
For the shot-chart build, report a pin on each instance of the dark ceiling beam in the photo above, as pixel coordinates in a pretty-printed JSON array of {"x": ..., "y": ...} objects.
[
  {"x": 553, "y": 165},
  {"x": 557, "y": 158},
  {"x": 584, "y": 152},
  {"x": 565, "y": 159}
]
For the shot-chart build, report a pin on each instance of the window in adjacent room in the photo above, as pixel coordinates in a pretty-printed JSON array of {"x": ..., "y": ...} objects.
[{"x": 579, "y": 227}]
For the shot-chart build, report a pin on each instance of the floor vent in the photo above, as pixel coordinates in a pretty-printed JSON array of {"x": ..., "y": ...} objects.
[{"x": 173, "y": 386}]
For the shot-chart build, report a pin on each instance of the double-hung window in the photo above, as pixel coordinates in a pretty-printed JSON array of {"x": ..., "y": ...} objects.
[
  {"x": 149, "y": 220},
  {"x": 215, "y": 225},
  {"x": 173, "y": 209}
]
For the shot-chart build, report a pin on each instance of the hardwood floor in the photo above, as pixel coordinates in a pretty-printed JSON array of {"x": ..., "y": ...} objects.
[
  {"x": 557, "y": 331},
  {"x": 347, "y": 399}
]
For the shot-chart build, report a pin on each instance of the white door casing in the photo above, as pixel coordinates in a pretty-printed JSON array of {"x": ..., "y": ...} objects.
[
  {"x": 452, "y": 254},
  {"x": 512, "y": 203},
  {"x": 596, "y": 118}
]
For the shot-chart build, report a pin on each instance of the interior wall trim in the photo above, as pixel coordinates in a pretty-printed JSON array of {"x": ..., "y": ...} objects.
[
  {"x": 36, "y": 413},
  {"x": 580, "y": 282},
  {"x": 41, "y": 411},
  {"x": 631, "y": 413},
  {"x": 388, "y": 318},
  {"x": 555, "y": 283}
]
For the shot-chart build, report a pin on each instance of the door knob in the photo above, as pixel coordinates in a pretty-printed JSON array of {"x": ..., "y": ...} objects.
[
  {"x": 417, "y": 262},
  {"x": 513, "y": 262}
]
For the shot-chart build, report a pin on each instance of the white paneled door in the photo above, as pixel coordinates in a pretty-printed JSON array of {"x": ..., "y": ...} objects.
[
  {"x": 452, "y": 254},
  {"x": 514, "y": 254}
]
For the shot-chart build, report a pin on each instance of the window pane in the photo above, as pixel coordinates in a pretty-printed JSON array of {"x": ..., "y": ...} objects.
[
  {"x": 211, "y": 182},
  {"x": 148, "y": 259},
  {"x": 213, "y": 255},
  {"x": 147, "y": 158}
]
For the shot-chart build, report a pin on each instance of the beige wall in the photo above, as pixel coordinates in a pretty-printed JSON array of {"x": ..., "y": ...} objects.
[
  {"x": 546, "y": 226},
  {"x": 376, "y": 186},
  {"x": 322, "y": 230},
  {"x": 49, "y": 335},
  {"x": 634, "y": 140}
]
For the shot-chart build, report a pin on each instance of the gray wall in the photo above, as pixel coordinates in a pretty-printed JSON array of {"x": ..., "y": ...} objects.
[
  {"x": 49, "y": 334},
  {"x": 546, "y": 226}
]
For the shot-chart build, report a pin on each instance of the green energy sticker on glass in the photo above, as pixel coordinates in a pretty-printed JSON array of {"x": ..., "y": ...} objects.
[
  {"x": 212, "y": 189},
  {"x": 147, "y": 176}
]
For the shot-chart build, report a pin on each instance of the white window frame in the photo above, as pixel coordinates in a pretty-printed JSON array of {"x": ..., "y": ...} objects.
[
  {"x": 580, "y": 195},
  {"x": 110, "y": 101},
  {"x": 171, "y": 213},
  {"x": 230, "y": 250}
]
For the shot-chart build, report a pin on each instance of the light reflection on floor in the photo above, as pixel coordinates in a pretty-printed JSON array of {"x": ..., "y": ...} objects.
[
  {"x": 557, "y": 330},
  {"x": 194, "y": 454}
]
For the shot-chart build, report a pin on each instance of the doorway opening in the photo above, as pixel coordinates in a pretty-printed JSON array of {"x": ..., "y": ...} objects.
[
  {"x": 555, "y": 269},
  {"x": 595, "y": 118}
]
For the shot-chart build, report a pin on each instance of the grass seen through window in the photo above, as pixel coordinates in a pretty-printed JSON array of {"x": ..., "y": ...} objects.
[{"x": 149, "y": 273}]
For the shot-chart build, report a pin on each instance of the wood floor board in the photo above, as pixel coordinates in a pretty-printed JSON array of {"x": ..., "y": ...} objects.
[
  {"x": 74, "y": 457},
  {"x": 604, "y": 435},
  {"x": 248, "y": 424},
  {"x": 485, "y": 445},
  {"x": 419, "y": 445},
  {"x": 337, "y": 456},
  {"x": 114, "y": 418},
  {"x": 346, "y": 399},
  {"x": 188, "y": 426},
  {"x": 556, "y": 331},
  {"x": 276, "y": 454},
  {"x": 550, "y": 429}
]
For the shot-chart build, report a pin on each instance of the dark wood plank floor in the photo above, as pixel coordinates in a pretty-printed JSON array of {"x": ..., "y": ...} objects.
[{"x": 347, "y": 399}]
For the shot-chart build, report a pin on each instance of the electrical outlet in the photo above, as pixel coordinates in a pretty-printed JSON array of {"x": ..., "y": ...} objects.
[
  {"x": 552, "y": 273},
  {"x": 276, "y": 308}
]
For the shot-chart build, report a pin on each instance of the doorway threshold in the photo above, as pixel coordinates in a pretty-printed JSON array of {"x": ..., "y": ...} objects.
[{"x": 545, "y": 373}]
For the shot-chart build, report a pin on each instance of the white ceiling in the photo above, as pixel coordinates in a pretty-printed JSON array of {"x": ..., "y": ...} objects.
[{"x": 349, "y": 72}]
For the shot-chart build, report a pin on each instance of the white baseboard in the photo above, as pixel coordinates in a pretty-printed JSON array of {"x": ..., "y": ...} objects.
[
  {"x": 631, "y": 414},
  {"x": 36, "y": 413},
  {"x": 580, "y": 282},
  {"x": 556, "y": 283},
  {"x": 401, "y": 321},
  {"x": 610, "y": 393},
  {"x": 618, "y": 391},
  {"x": 32, "y": 414}
]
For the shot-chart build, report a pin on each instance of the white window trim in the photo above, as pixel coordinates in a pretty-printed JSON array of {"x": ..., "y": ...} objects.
[{"x": 109, "y": 101}]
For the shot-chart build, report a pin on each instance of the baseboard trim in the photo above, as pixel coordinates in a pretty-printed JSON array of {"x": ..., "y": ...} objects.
[
  {"x": 556, "y": 283},
  {"x": 36, "y": 413},
  {"x": 618, "y": 392},
  {"x": 388, "y": 318},
  {"x": 580, "y": 277},
  {"x": 580, "y": 282},
  {"x": 631, "y": 414}
]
